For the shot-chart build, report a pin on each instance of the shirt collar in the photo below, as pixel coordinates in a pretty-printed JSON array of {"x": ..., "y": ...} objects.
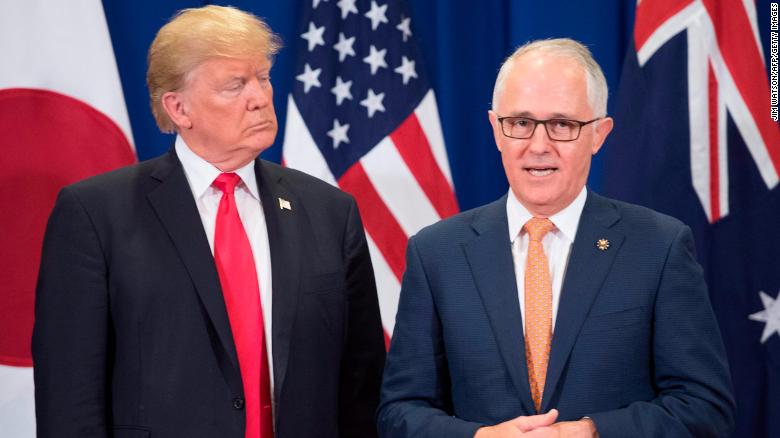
[
  {"x": 200, "y": 173},
  {"x": 566, "y": 221}
]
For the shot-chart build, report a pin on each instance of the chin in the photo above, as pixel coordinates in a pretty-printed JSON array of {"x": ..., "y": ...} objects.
[
  {"x": 539, "y": 200},
  {"x": 259, "y": 144}
]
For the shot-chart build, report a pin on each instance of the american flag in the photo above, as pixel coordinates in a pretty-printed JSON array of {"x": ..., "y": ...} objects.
[
  {"x": 362, "y": 116},
  {"x": 694, "y": 138}
]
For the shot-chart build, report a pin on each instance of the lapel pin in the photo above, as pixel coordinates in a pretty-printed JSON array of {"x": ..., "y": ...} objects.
[
  {"x": 284, "y": 204},
  {"x": 602, "y": 244}
]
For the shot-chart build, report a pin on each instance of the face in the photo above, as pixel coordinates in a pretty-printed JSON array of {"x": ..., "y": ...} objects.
[
  {"x": 225, "y": 111},
  {"x": 546, "y": 175}
]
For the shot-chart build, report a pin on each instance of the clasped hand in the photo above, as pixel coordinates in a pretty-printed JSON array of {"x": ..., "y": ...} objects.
[{"x": 539, "y": 426}]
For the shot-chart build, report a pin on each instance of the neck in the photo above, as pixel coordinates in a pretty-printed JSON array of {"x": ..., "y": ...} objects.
[
  {"x": 231, "y": 164},
  {"x": 224, "y": 161}
]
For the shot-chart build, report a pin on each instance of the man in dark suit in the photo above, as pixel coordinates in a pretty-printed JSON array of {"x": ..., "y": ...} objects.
[
  {"x": 207, "y": 293},
  {"x": 554, "y": 311}
]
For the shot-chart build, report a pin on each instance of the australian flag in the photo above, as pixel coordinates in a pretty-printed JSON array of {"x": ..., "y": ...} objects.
[{"x": 695, "y": 139}]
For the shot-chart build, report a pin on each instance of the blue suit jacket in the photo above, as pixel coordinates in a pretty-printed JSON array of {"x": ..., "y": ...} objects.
[{"x": 635, "y": 346}]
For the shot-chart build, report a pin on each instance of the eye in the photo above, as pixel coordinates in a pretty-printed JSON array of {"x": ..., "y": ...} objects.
[
  {"x": 263, "y": 78},
  {"x": 520, "y": 122},
  {"x": 563, "y": 124},
  {"x": 234, "y": 86}
]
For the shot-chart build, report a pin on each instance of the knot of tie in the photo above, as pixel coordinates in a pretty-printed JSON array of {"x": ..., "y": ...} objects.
[
  {"x": 537, "y": 227},
  {"x": 226, "y": 182}
]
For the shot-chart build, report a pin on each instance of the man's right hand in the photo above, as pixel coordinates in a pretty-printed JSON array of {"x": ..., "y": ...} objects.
[{"x": 518, "y": 427}]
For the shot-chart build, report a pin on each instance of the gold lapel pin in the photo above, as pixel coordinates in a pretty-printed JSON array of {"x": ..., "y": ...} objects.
[
  {"x": 284, "y": 204},
  {"x": 602, "y": 244}
]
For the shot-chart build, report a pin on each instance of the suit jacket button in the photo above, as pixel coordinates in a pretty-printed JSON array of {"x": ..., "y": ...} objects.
[{"x": 238, "y": 403}]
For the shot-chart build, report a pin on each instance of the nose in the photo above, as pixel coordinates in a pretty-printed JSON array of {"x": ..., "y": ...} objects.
[
  {"x": 259, "y": 94},
  {"x": 540, "y": 142}
]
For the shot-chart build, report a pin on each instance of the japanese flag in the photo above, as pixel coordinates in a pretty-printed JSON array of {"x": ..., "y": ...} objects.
[{"x": 62, "y": 118}]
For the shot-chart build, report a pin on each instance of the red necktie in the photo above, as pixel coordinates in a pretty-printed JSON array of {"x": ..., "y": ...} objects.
[{"x": 238, "y": 277}]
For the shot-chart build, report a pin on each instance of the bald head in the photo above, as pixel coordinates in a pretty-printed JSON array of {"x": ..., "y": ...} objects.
[{"x": 565, "y": 48}]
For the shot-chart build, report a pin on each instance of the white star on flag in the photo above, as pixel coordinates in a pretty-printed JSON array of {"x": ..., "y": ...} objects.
[
  {"x": 347, "y": 6},
  {"x": 317, "y": 3},
  {"x": 338, "y": 133},
  {"x": 377, "y": 15},
  {"x": 406, "y": 69},
  {"x": 375, "y": 59},
  {"x": 310, "y": 78},
  {"x": 344, "y": 46},
  {"x": 405, "y": 27},
  {"x": 342, "y": 90},
  {"x": 373, "y": 102},
  {"x": 314, "y": 36},
  {"x": 770, "y": 315}
]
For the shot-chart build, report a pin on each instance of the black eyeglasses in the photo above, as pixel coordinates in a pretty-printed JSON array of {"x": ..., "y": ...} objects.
[{"x": 557, "y": 129}]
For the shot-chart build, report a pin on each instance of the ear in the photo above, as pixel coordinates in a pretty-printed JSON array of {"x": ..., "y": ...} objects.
[
  {"x": 493, "y": 117},
  {"x": 603, "y": 128},
  {"x": 174, "y": 105}
]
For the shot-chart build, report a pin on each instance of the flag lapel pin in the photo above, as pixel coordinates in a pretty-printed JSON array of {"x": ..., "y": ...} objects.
[{"x": 284, "y": 204}]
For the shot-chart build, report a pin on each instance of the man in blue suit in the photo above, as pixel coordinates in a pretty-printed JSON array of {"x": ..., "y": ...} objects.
[{"x": 554, "y": 311}]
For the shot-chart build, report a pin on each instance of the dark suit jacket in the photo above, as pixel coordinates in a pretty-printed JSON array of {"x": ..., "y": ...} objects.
[
  {"x": 132, "y": 338},
  {"x": 635, "y": 347}
]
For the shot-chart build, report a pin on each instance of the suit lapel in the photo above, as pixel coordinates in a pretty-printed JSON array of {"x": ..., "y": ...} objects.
[
  {"x": 586, "y": 271},
  {"x": 489, "y": 255},
  {"x": 173, "y": 203},
  {"x": 285, "y": 239}
]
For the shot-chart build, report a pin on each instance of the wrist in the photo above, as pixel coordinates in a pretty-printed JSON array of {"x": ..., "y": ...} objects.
[{"x": 482, "y": 432}]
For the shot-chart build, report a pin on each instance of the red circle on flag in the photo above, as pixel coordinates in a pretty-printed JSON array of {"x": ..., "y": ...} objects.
[{"x": 49, "y": 140}]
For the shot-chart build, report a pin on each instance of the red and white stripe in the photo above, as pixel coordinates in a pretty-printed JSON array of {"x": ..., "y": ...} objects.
[
  {"x": 401, "y": 185},
  {"x": 725, "y": 74}
]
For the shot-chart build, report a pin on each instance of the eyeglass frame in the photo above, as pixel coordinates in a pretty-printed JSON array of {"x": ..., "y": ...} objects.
[{"x": 544, "y": 123}]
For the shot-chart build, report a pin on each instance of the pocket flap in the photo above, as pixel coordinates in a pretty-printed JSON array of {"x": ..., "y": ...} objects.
[
  {"x": 613, "y": 320},
  {"x": 131, "y": 432}
]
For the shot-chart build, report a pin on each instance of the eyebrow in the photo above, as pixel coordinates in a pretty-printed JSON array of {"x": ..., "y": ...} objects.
[
  {"x": 530, "y": 115},
  {"x": 233, "y": 78}
]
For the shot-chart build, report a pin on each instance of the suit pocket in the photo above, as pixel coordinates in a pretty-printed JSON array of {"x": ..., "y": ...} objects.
[
  {"x": 324, "y": 283},
  {"x": 131, "y": 432},
  {"x": 614, "y": 320}
]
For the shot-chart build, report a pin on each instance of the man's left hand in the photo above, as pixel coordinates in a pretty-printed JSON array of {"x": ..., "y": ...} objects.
[{"x": 584, "y": 428}]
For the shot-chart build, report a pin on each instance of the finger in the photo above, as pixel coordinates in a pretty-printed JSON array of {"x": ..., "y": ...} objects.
[
  {"x": 542, "y": 432},
  {"x": 531, "y": 422}
]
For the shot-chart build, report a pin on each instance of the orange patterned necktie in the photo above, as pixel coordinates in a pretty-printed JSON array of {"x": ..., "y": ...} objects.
[{"x": 538, "y": 307}]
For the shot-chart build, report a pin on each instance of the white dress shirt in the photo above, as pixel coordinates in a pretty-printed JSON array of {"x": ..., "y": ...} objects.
[
  {"x": 200, "y": 175},
  {"x": 556, "y": 243}
]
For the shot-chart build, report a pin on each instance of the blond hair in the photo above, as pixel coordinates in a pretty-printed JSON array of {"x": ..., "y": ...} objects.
[
  {"x": 565, "y": 47},
  {"x": 195, "y": 35}
]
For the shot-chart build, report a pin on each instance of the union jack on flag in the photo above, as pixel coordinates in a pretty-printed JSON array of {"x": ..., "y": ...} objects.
[
  {"x": 363, "y": 117},
  {"x": 725, "y": 65},
  {"x": 694, "y": 138}
]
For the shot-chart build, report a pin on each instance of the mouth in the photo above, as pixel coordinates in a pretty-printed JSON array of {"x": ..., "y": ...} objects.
[
  {"x": 259, "y": 126},
  {"x": 538, "y": 171}
]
